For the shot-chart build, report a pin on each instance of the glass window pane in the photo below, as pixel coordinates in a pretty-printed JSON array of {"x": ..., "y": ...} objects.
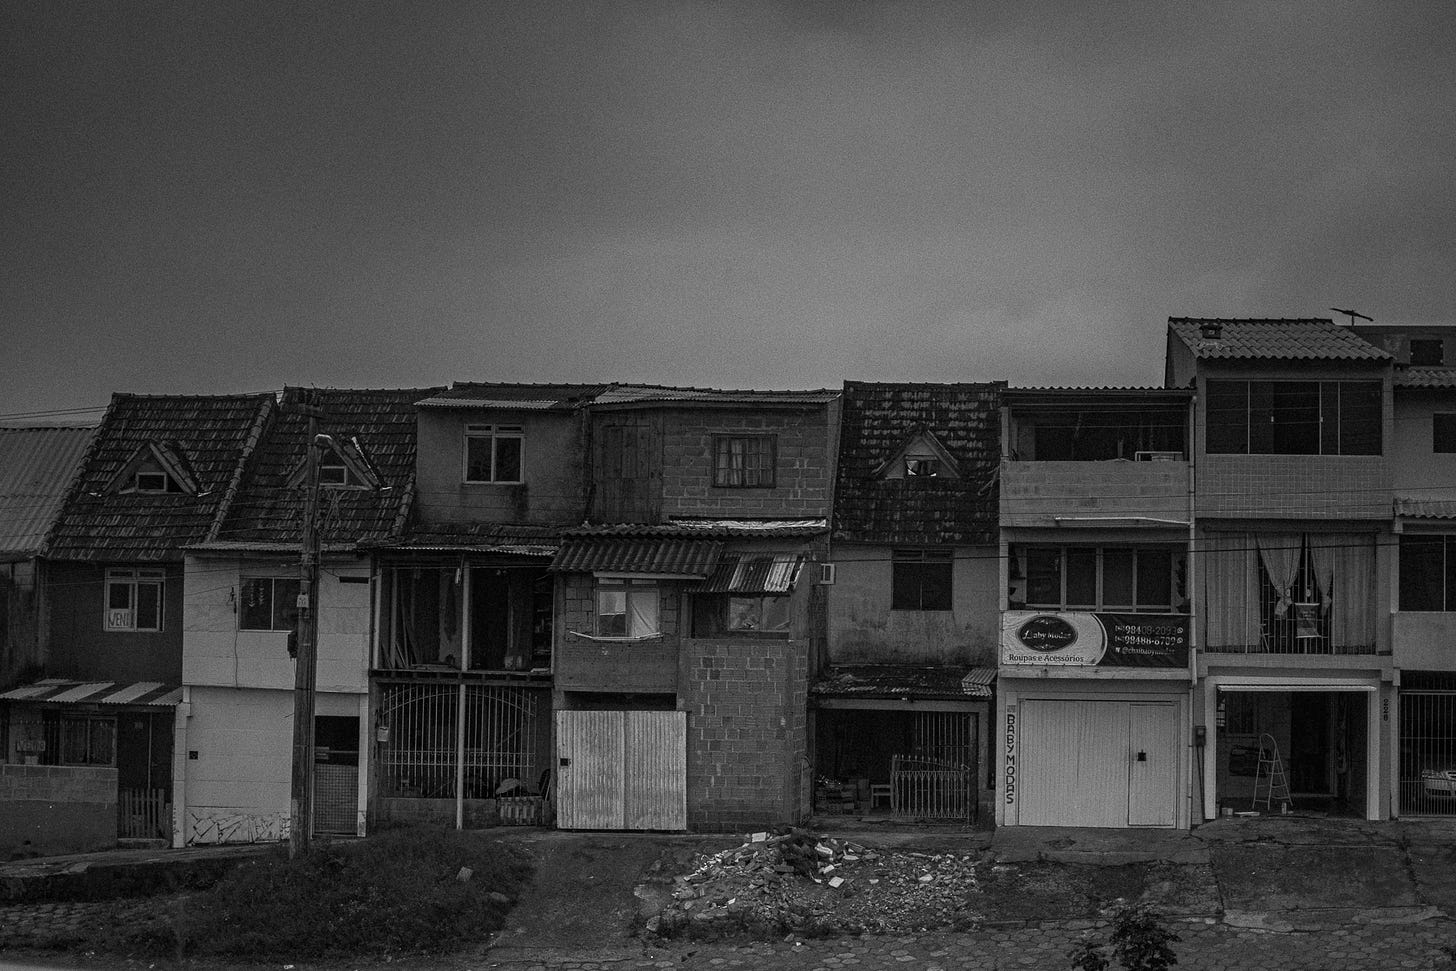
[
  {"x": 507, "y": 460},
  {"x": 1261, "y": 417},
  {"x": 1227, "y": 418},
  {"x": 1082, "y": 577},
  {"x": 102, "y": 742},
  {"x": 1329, "y": 418},
  {"x": 612, "y": 612},
  {"x": 1360, "y": 432},
  {"x": 1154, "y": 579},
  {"x": 1044, "y": 577},
  {"x": 285, "y": 604},
  {"x": 776, "y": 613},
  {"x": 256, "y": 609},
  {"x": 1117, "y": 566},
  {"x": 118, "y": 595},
  {"x": 477, "y": 458},
  {"x": 149, "y": 606},
  {"x": 1422, "y": 580},
  {"x": 642, "y": 611},
  {"x": 1296, "y": 418},
  {"x": 74, "y": 739}
]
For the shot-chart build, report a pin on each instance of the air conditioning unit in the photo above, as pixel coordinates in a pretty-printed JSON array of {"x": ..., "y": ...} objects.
[
  {"x": 1158, "y": 456},
  {"x": 826, "y": 572}
]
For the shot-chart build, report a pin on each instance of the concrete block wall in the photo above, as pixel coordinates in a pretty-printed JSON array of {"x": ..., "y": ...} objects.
[
  {"x": 50, "y": 809},
  {"x": 802, "y": 475},
  {"x": 747, "y": 732}
]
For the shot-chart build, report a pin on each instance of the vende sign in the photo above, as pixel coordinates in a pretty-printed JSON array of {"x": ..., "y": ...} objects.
[{"x": 1084, "y": 639}]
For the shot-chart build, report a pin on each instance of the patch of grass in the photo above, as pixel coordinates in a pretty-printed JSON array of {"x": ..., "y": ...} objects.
[{"x": 398, "y": 892}]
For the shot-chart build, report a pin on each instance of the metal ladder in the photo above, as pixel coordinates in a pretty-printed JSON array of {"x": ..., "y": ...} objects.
[{"x": 1270, "y": 774}]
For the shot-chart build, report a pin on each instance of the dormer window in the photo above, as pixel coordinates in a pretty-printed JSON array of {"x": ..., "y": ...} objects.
[
  {"x": 343, "y": 464},
  {"x": 920, "y": 456},
  {"x": 153, "y": 482},
  {"x": 155, "y": 469},
  {"x": 922, "y": 468}
]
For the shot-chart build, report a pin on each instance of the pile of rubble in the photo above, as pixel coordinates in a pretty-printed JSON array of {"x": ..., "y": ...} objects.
[{"x": 796, "y": 882}]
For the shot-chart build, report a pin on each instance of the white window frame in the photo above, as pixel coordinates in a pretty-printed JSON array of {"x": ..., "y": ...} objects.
[
  {"x": 647, "y": 593},
  {"x": 138, "y": 486},
  {"x": 494, "y": 434},
  {"x": 272, "y": 582},
  {"x": 124, "y": 619}
]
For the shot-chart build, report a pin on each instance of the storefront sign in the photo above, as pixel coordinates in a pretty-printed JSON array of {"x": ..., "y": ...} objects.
[
  {"x": 1082, "y": 639},
  {"x": 1010, "y": 754}
]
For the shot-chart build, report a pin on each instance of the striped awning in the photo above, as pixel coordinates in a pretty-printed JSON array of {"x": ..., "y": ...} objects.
[
  {"x": 55, "y": 691},
  {"x": 667, "y": 555},
  {"x": 773, "y": 573}
]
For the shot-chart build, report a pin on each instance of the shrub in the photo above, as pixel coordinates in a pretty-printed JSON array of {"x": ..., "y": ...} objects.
[
  {"x": 387, "y": 894},
  {"x": 1138, "y": 940}
]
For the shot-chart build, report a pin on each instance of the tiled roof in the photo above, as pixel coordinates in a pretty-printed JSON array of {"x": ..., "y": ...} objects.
[
  {"x": 1425, "y": 377},
  {"x": 1425, "y": 508},
  {"x": 1275, "y": 339},
  {"x": 55, "y": 691},
  {"x": 876, "y": 421},
  {"x": 269, "y": 509},
  {"x": 673, "y": 555},
  {"x": 519, "y": 538},
  {"x": 922, "y": 681},
  {"x": 36, "y": 468},
  {"x": 531, "y": 397},
  {"x": 213, "y": 433}
]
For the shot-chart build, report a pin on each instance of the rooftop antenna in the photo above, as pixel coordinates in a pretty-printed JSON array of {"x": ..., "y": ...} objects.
[{"x": 1352, "y": 314}]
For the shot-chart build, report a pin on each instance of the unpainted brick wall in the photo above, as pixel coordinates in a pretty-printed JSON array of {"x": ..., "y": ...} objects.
[
  {"x": 801, "y": 476},
  {"x": 747, "y": 738}
]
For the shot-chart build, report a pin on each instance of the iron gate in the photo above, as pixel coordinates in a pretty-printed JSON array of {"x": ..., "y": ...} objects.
[
  {"x": 1428, "y": 752},
  {"x": 936, "y": 779}
]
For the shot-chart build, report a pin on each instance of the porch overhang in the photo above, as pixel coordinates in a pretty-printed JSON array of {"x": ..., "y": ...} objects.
[
  {"x": 118, "y": 694},
  {"x": 896, "y": 685}
]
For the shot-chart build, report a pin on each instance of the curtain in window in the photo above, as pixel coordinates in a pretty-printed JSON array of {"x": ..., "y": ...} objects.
[
  {"x": 1280, "y": 554},
  {"x": 1344, "y": 566},
  {"x": 642, "y": 611},
  {"x": 1231, "y": 592}
]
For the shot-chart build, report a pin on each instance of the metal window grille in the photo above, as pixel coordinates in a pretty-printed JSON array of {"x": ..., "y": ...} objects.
[
  {"x": 1428, "y": 753},
  {"x": 422, "y": 758}
]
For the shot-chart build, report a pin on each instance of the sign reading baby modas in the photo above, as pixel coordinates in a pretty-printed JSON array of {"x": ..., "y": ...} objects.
[{"x": 1078, "y": 639}]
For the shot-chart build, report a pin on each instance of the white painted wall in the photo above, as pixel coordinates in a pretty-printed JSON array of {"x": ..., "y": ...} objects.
[
  {"x": 239, "y": 784},
  {"x": 216, "y": 653}
]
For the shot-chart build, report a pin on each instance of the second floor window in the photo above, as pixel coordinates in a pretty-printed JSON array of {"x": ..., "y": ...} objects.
[
  {"x": 494, "y": 453},
  {"x": 1092, "y": 578},
  {"x": 1293, "y": 418},
  {"x": 743, "y": 461},
  {"x": 268, "y": 603},
  {"x": 921, "y": 579},
  {"x": 1428, "y": 573},
  {"x": 134, "y": 600},
  {"x": 626, "y": 608}
]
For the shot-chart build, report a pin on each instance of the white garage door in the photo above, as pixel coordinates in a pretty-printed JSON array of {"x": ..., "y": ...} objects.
[{"x": 1098, "y": 763}]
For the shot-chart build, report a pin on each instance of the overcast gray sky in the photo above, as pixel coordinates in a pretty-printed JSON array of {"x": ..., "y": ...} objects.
[{"x": 215, "y": 197}]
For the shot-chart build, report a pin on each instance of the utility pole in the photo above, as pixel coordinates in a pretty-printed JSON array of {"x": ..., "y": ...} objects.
[{"x": 304, "y": 680}]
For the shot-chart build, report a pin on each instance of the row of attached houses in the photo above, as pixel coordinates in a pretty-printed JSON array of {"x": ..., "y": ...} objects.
[{"x": 621, "y": 606}]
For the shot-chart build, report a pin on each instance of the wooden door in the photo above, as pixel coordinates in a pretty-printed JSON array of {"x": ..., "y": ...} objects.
[{"x": 621, "y": 770}]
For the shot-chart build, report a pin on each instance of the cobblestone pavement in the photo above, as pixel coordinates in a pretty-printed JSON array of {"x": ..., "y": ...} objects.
[{"x": 1205, "y": 946}]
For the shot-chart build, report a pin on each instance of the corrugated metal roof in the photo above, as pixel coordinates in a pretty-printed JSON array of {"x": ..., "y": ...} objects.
[
  {"x": 905, "y": 681},
  {"x": 770, "y": 574},
  {"x": 645, "y": 394},
  {"x": 1425, "y": 508},
  {"x": 725, "y": 528},
  {"x": 56, "y": 691},
  {"x": 516, "y": 397},
  {"x": 1425, "y": 377},
  {"x": 37, "y": 465},
  {"x": 1275, "y": 339},
  {"x": 671, "y": 555}
]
